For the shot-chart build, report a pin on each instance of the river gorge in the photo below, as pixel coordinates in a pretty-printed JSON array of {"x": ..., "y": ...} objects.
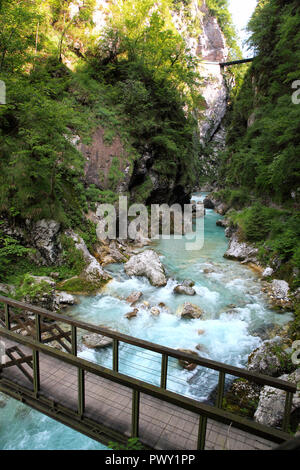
[{"x": 236, "y": 314}]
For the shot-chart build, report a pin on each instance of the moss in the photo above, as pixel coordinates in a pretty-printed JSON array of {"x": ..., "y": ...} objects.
[
  {"x": 32, "y": 289},
  {"x": 71, "y": 257},
  {"x": 115, "y": 175},
  {"x": 238, "y": 401},
  {"x": 142, "y": 192},
  {"x": 77, "y": 285},
  {"x": 294, "y": 330}
]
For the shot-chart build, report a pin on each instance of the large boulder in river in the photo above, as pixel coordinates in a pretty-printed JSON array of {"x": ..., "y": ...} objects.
[
  {"x": 190, "y": 311},
  {"x": 95, "y": 341},
  {"x": 134, "y": 297},
  {"x": 132, "y": 314},
  {"x": 186, "y": 364},
  {"x": 241, "y": 251},
  {"x": 149, "y": 265},
  {"x": 63, "y": 299},
  {"x": 185, "y": 288},
  {"x": 270, "y": 409}
]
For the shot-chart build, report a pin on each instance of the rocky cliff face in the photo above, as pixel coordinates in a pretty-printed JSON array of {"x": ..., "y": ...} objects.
[
  {"x": 210, "y": 45},
  {"x": 205, "y": 39}
]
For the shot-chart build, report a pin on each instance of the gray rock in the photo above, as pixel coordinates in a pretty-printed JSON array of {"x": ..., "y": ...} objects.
[
  {"x": 186, "y": 364},
  {"x": 7, "y": 289},
  {"x": 270, "y": 358},
  {"x": 132, "y": 314},
  {"x": 240, "y": 251},
  {"x": 155, "y": 311},
  {"x": 190, "y": 311},
  {"x": 268, "y": 272},
  {"x": 44, "y": 295},
  {"x": 184, "y": 290},
  {"x": 149, "y": 265},
  {"x": 222, "y": 223},
  {"x": 188, "y": 283},
  {"x": 63, "y": 298},
  {"x": 93, "y": 270},
  {"x": 270, "y": 410},
  {"x": 44, "y": 236},
  {"x": 95, "y": 341},
  {"x": 134, "y": 297},
  {"x": 280, "y": 290},
  {"x": 244, "y": 394},
  {"x": 208, "y": 203},
  {"x": 222, "y": 208}
]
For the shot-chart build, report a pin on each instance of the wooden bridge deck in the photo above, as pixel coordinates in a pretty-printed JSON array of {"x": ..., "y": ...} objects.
[{"x": 161, "y": 425}]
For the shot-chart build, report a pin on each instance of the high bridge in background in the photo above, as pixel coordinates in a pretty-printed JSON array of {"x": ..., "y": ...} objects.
[
  {"x": 40, "y": 366},
  {"x": 228, "y": 64}
]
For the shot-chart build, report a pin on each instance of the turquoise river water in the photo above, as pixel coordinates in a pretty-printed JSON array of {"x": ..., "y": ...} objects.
[{"x": 235, "y": 310}]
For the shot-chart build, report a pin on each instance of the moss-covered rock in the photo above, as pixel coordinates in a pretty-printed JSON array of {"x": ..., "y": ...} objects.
[{"x": 80, "y": 285}]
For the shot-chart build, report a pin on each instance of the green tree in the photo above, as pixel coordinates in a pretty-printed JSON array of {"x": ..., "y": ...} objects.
[{"x": 19, "y": 20}]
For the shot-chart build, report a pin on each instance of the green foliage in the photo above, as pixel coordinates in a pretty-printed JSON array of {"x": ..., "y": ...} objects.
[
  {"x": 276, "y": 233},
  {"x": 261, "y": 162},
  {"x": 132, "y": 444},
  {"x": 115, "y": 175},
  {"x": 10, "y": 251},
  {"x": 77, "y": 285},
  {"x": 263, "y": 151},
  {"x": 32, "y": 290},
  {"x": 295, "y": 326},
  {"x": 38, "y": 160},
  {"x": 18, "y": 25},
  {"x": 72, "y": 258},
  {"x": 150, "y": 79}
]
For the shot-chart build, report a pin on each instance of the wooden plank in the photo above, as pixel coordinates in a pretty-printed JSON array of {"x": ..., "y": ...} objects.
[
  {"x": 16, "y": 362},
  {"x": 9, "y": 353}
]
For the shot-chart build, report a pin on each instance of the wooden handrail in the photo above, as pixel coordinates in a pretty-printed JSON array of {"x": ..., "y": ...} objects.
[
  {"x": 201, "y": 409},
  {"x": 201, "y": 361}
]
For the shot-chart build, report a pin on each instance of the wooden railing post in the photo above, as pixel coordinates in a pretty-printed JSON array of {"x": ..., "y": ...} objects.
[
  {"x": 287, "y": 411},
  {"x": 115, "y": 363},
  {"x": 220, "y": 394},
  {"x": 7, "y": 316},
  {"x": 36, "y": 356},
  {"x": 202, "y": 433},
  {"x": 38, "y": 328},
  {"x": 81, "y": 392},
  {"x": 36, "y": 371},
  {"x": 74, "y": 340},
  {"x": 135, "y": 413},
  {"x": 164, "y": 371}
]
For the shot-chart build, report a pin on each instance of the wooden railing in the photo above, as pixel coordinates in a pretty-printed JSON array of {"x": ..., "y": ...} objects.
[{"x": 18, "y": 316}]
